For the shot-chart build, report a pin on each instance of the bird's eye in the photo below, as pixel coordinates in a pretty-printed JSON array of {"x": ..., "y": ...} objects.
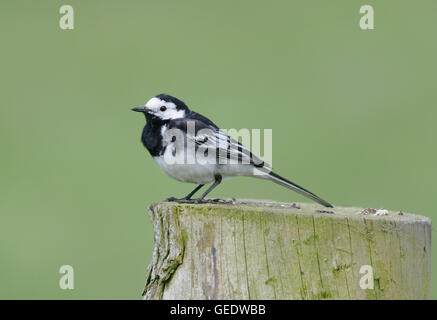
[{"x": 163, "y": 108}]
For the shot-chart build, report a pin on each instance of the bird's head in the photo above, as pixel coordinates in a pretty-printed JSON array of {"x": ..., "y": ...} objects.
[{"x": 163, "y": 107}]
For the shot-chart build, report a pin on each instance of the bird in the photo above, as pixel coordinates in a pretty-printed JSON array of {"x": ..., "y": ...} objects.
[{"x": 174, "y": 135}]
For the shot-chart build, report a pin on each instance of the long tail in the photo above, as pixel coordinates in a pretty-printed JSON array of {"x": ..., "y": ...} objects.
[{"x": 290, "y": 185}]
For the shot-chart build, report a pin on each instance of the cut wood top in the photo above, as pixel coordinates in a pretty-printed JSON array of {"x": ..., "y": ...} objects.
[{"x": 297, "y": 208}]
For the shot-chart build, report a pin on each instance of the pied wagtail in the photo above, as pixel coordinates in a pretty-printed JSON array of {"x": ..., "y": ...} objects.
[{"x": 173, "y": 131}]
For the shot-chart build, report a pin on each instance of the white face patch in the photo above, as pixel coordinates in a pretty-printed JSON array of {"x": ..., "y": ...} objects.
[{"x": 156, "y": 106}]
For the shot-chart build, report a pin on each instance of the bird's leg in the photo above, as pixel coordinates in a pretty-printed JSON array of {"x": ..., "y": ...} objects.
[
  {"x": 187, "y": 198},
  {"x": 218, "y": 179}
]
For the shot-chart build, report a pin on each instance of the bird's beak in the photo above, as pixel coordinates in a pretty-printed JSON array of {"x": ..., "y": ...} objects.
[{"x": 139, "y": 109}]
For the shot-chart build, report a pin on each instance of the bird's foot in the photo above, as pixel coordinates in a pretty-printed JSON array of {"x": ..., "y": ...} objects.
[
  {"x": 198, "y": 201},
  {"x": 171, "y": 199},
  {"x": 181, "y": 200}
]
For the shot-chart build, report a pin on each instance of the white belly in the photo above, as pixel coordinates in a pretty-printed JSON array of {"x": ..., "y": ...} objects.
[
  {"x": 202, "y": 173},
  {"x": 193, "y": 173}
]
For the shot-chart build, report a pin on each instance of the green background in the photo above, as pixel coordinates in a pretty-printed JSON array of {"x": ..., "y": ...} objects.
[{"x": 353, "y": 116}]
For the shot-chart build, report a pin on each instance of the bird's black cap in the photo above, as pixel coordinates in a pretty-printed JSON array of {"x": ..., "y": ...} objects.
[{"x": 168, "y": 98}]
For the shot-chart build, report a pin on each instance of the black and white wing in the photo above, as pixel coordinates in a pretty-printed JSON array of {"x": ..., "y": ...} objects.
[{"x": 201, "y": 133}]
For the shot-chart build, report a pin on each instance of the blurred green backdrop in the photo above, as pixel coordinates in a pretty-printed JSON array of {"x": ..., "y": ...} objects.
[{"x": 353, "y": 117}]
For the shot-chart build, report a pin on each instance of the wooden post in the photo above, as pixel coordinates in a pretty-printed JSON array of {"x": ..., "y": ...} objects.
[{"x": 268, "y": 250}]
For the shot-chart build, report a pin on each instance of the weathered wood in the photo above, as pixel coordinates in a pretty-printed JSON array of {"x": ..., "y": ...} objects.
[{"x": 269, "y": 250}]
